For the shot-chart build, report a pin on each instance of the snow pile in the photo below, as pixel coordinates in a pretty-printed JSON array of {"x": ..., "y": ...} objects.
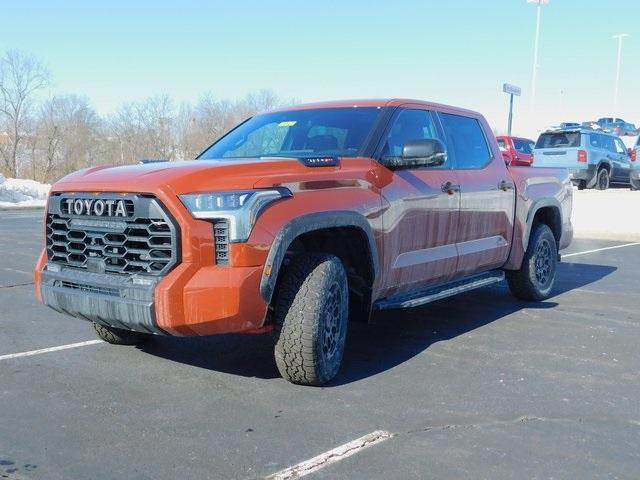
[{"x": 15, "y": 192}]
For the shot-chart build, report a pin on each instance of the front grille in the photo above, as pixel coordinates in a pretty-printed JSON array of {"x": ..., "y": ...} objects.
[
  {"x": 221, "y": 239},
  {"x": 144, "y": 242}
]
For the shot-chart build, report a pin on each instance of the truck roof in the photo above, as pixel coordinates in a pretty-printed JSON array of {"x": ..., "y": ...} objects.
[{"x": 379, "y": 102}]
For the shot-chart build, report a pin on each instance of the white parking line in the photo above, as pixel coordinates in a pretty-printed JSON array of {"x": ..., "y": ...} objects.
[
  {"x": 600, "y": 249},
  {"x": 51, "y": 349},
  {"x": 332, "y": 456}
]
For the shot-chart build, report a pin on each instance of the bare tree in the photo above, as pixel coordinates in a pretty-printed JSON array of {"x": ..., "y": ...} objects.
[
  {"x": 69, "y": 134},
  {"x": 21, "y": 76}
]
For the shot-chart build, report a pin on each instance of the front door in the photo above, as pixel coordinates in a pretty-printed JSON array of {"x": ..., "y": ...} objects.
[
  {"x": 622, "y": 164},
  {"x": 487, "y": 198},
  {"x": 421, "y": 219}
]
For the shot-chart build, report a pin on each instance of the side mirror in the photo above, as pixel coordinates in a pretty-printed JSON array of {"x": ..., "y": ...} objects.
[
  {"x": 506, "y": 156},
  {"x": 428, "y": 152}
]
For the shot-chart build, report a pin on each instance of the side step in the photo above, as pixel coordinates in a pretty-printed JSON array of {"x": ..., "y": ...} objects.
[{"x": 428, "y": 295}]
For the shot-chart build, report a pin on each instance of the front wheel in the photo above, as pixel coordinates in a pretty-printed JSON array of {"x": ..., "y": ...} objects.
[
  {"x": 635, "y": 184},
  {"x": 311, "y": 315},
  {"x": 602, "y": 181},
  {"x": 117, "y": 336},
  {"x": 535, "y": 279}
]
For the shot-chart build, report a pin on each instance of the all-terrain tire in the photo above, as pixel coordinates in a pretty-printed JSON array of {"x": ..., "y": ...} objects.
[
  {"x": 603, "y": 180},
  {"x": 311, "y": 316},
  {"x": 118, "y": 336},
  {"x": 535, "y": 279}
]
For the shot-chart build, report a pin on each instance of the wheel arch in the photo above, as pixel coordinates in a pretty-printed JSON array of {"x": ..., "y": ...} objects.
[
  {"x": 320, "y": 228},
  {"x": 549, "y": 212}
]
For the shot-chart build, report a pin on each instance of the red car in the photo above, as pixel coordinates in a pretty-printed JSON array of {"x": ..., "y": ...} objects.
[{"x": 516, "y": 151}]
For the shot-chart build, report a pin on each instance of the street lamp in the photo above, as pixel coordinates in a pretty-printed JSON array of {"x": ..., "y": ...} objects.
[
  {"x": 534, "y": 74},
  {"x": 620, "y": 37}
]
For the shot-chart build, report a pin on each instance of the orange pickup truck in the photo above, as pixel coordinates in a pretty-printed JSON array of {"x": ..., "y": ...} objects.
[{"x": 299, "y": 220}]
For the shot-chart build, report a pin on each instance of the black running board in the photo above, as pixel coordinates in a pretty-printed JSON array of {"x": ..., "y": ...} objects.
[{"x": 421, "y": 297}]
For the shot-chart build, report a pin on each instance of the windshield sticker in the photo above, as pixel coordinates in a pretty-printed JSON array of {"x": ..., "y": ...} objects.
[{"x": 289, "y": 123}]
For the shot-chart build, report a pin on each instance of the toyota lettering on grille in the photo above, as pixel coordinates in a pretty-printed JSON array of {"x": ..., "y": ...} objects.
[{"x": 95, "y": 207}]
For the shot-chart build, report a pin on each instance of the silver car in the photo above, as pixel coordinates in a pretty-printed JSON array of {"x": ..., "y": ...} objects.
[{"x": 595, "y": 159}]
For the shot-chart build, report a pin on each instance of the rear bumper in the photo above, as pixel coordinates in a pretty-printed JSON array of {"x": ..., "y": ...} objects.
[{"x": 586, "y": 175}]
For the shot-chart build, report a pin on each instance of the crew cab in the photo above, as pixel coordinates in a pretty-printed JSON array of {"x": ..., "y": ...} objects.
[
  {"x": 299, "y": 220},
  {"x": 517, "y": 151}
]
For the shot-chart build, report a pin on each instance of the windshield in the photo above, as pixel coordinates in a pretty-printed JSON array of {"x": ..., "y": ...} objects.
[
  {"x": 559, "y": 140},
  {"x": 339, "y": 132}
]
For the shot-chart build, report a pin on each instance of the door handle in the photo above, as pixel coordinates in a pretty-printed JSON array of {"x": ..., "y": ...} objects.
[
  {"x": 504, "y": 185},
  {"x": 450, "y": 188}
]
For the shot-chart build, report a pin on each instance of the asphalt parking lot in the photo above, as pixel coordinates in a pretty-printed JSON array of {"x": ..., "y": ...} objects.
[{"x": 479, "y": 386}]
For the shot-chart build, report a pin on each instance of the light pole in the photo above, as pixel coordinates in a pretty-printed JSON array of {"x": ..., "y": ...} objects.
[
  {"x": 620, "y": 37},
  {"x": 534, "y": 74}
]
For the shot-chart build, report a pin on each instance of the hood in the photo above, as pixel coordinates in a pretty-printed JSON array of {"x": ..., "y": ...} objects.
[{"x": 204, "y": 175}]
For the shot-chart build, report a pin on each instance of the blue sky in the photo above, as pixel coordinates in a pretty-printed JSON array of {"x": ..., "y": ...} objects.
[{"x": 456, "y": 51}]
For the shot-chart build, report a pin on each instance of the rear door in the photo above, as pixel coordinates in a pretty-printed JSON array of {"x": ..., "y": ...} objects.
[{"x": 487, "y": 195}]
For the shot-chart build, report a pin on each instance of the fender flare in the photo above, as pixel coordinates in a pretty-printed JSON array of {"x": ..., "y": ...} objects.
[
  {"x": 594, "y": 179},
  {"x": 305, "y": 224},
  {"x": 537, "y": 205}
]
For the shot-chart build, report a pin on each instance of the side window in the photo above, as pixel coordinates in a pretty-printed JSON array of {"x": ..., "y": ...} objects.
[
  {"x": 466, "y": 141},
  {"x": 409, "y": 125},
  {"x": 594, "y": 141},
  {"x": 620, "y": 148},
  {"x": 606, "y": 143}
]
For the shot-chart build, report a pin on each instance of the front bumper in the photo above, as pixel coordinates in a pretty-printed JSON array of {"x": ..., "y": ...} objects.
[
  {"x": 111, "y": 300},
  {"x": 197, "y": 297}
]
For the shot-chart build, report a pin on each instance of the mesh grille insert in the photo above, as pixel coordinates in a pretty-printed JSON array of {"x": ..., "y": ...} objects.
[
  {"x": 221, "y": 239},
  {"x": 132, "y": 245}
]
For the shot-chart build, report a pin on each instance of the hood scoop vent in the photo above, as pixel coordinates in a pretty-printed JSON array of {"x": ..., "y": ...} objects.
[
  {"x": 145, "y": 161},
  {"x": 320, "y": 161}
]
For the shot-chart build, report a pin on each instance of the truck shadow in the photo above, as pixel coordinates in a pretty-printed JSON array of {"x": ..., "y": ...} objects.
[{"x": 394, "y": 337}]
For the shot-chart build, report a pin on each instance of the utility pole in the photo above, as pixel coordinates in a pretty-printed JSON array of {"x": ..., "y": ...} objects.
[
  {"x": 620, "y": 37},
  {"x": 534, "y": 74}
]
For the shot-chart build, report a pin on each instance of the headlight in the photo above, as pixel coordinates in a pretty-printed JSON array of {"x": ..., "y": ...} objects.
[{"x": 240, "y": 208}]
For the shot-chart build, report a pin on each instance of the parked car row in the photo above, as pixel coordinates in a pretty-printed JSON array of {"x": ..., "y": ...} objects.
[{"x": 595, "y": 158}]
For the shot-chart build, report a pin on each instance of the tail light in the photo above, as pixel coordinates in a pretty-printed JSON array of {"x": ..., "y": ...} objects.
[
  {"x": 634, "y": 155},
  {"x": 582, "y": 155}
]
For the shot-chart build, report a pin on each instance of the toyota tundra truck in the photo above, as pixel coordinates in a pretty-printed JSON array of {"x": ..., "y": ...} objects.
[{"x": 299, "y": 220}]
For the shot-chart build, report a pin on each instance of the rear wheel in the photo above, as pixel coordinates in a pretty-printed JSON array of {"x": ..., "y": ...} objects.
[
  {"x": 117, "y": 336},
  {"x": 582, "y": 185},
  {"x": 602, "y": 181},
  {"x": 311, "y": 314},
  {"x": 535, "y": 279}
]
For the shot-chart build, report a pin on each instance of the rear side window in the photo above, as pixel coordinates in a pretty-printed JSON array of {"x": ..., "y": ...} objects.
[
  {"x": 466, "y": 141},
  {"x": 523, "y": 146},
  {"x": 559, "y": 140},
  {"x": 606, "y": 143}
]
